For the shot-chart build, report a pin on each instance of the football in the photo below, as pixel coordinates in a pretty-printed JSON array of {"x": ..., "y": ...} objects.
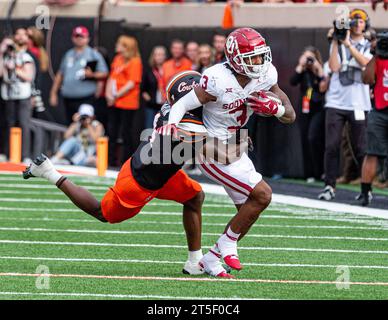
[{"x": 270, "y": 95}]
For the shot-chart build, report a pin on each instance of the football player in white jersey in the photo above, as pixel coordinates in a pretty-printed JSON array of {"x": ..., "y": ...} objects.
[{"x": 230, "y": 93}]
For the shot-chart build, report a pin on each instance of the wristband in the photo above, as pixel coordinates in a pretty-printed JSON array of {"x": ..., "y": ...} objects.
[
  {"x": 60, "y": 181},
  {"x": 281, "y": 111}
]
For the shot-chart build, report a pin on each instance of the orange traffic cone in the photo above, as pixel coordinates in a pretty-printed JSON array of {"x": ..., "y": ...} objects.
[
  {"x": 227, "y": 20},
  {"x": 15, "y": 145},
  {"x": 102, "y": 156}
]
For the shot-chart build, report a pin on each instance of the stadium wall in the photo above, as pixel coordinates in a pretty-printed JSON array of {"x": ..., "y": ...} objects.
[{"x": 273, "y": 15}]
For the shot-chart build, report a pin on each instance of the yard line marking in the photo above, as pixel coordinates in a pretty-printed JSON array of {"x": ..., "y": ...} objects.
[
  {"x": 169, "y": 246},
  {"x": 290, "y": 200},
  {"x": 165, "y": 213},
  {"x": 36, "y": 186},
  {"x": 67, "y": 201},
  {"x": 269, "y": 225},
  {"x": 120, "y": 232},
  {"x": 305, "y": 211},
  {"x": 254, "y": 264},
  {"x": 382, "y": 228},
  {"x": 42, "y": 181},
  {"x": 124, "y": 296},
  {"x": 184, "y": 279}
]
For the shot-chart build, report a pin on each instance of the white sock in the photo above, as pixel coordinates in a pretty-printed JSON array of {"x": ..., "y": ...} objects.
[
  {"x": 231, "y": 235},
  {"x": 195, "y": 256}
]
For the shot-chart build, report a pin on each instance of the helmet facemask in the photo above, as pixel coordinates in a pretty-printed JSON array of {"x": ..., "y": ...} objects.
[{"x": 252, "y": 70}]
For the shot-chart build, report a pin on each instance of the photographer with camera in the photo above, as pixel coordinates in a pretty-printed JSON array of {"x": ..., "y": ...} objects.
[
  {"x": 17, "y": 68},
  {"x": 348, "y": 98},
  {"x": 309, "y": 75},
  {"x": 376, "y": 73},
  {"x": 79, "y": 147}
]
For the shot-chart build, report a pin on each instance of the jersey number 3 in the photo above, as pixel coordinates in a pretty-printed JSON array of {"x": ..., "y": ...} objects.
[
  {"x": 242, "y": 118},
  {"x": 204, "y": 82}
]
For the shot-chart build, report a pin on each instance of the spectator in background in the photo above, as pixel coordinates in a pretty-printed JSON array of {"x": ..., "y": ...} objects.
[
  {"x": 177, "y": 63},
  {"x": 36, "y": 47},
  {"x": 100, "y": 106},
  {"x": 18, "y": 71},
  {"x": 152, "y": 85},
  {"x": 79, "y": 147},
  {"x": 80, "y": 70},
  {"x": 205, "y": 57},
  {"x": 37, "y": 50},
  {"x": 347, "y": 99},
  {"x": 122, "y": 96},
  {"x": 3, "y": 130},
  {"x": 192, "y": 53},
  {"x": 309, "y": 75},
  {"x": 219, "y": 40},
  {"x": 376, "y": 73}
]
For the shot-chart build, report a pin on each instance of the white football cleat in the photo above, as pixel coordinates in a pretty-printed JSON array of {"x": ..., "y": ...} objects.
[
  {"x": 42, "y": 167},
  {"x": 213, "y": 267},
  {"x": 192, "y": 268}
]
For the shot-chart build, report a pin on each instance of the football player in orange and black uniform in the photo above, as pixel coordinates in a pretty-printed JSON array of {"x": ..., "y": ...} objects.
[{"x": 145, "y": 176}]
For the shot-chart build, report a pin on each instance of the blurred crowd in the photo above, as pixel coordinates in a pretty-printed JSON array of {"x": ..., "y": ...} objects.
[
  {"x": 341, "y": 126},
  {"x": 98, "y": 97}
]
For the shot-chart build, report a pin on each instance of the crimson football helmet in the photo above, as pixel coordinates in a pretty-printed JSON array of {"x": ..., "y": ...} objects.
[{"x": 242, "y": 48}]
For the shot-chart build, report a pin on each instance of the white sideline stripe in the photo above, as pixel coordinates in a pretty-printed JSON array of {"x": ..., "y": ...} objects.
[
  {"x": 278, "y": 236},
  {"x": 204, "y": 224},
  {"x": 169, "y": 246},
  {"x": 184, "y": 279},
  {"x": 123, "y": 296},
  {"x": 254, "y": 264},
  {"x": 305, "y": 202}
]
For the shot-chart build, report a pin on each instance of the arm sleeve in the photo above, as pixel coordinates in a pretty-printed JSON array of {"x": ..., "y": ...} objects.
[{"x": 186, "y": 103}]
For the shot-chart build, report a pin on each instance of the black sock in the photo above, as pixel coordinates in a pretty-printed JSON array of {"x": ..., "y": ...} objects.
[{"x": 366, "y": 187}]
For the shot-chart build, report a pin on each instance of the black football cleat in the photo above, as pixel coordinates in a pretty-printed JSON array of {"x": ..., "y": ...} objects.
[{"x": 365, "y": 199}]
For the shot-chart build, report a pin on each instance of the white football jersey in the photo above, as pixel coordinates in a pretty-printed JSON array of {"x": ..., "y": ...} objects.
[{"x": 229, "y": 112}]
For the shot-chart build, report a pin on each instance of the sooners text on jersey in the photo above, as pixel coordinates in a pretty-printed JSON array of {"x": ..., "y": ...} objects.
[{"x": 229, "y": 112}]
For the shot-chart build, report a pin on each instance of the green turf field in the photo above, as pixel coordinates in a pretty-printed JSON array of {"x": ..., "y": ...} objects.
[{"x": 291, "y": 252}]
